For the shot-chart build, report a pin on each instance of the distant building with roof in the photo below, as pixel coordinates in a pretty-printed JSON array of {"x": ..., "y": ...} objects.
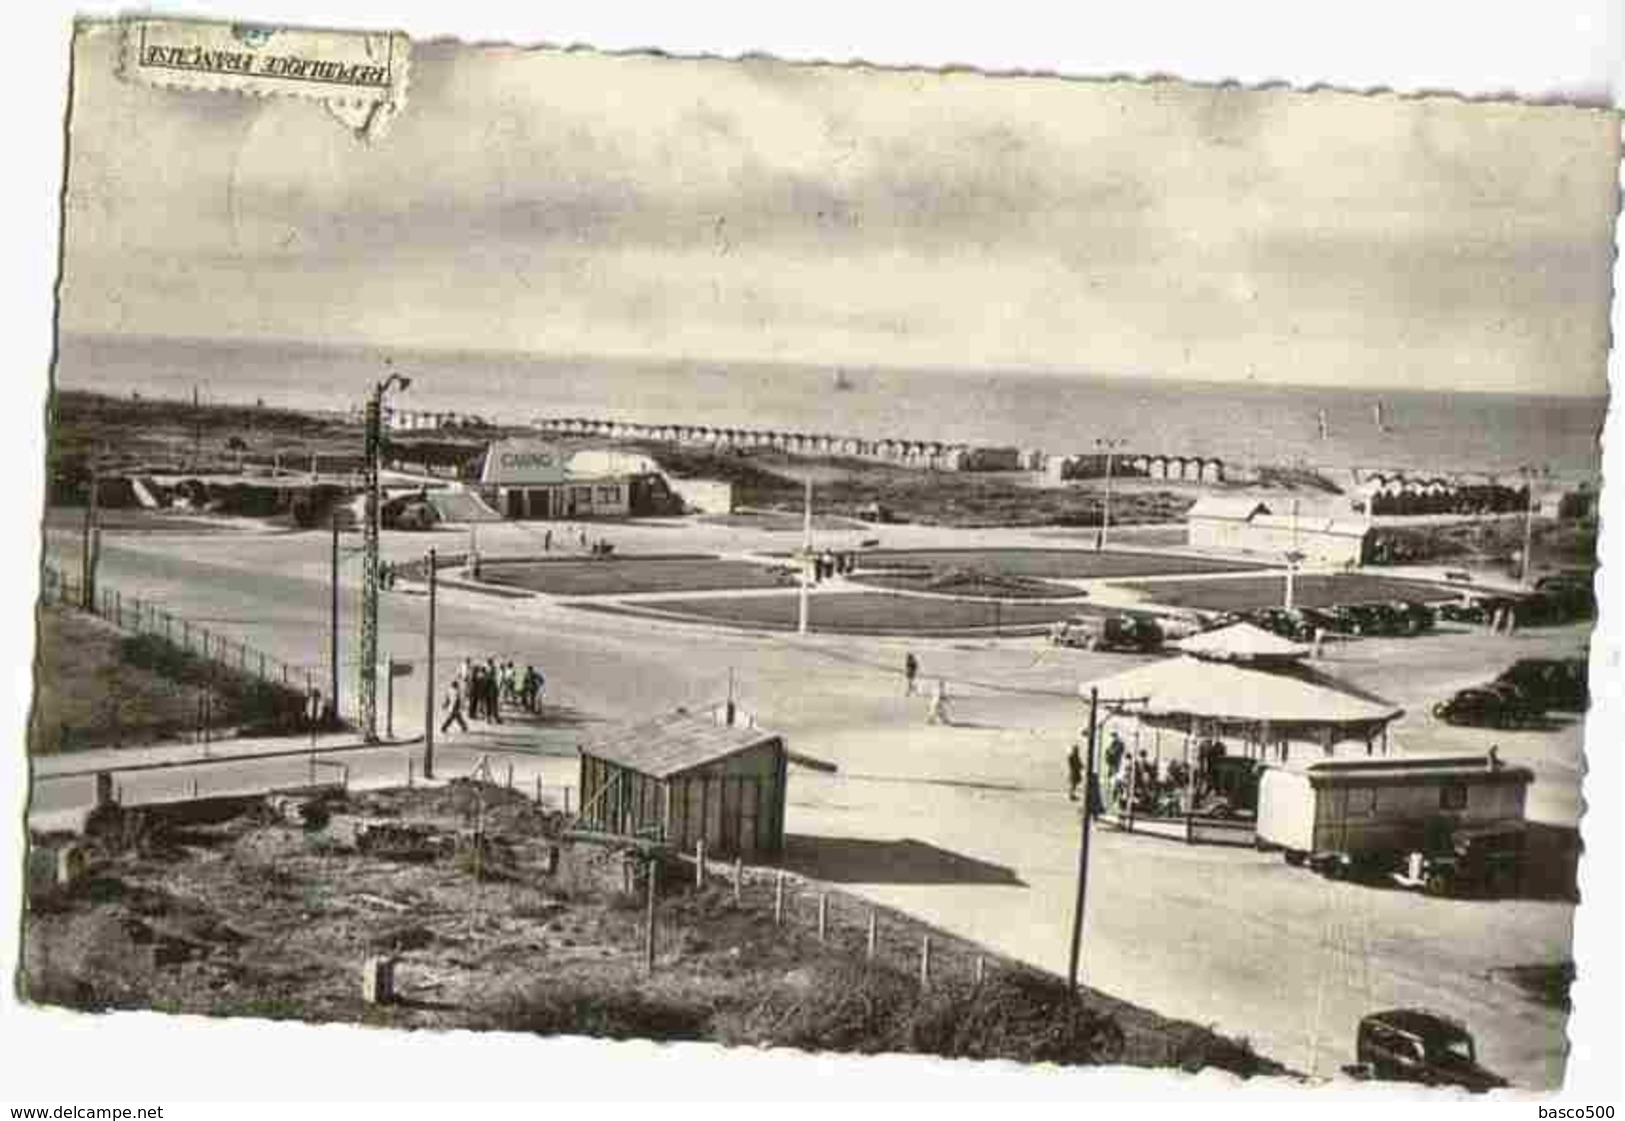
[
  {"x": 525, "y": 478},
  {"x": 1232, "y": 523},
  {"x": 685, "y": 776}
]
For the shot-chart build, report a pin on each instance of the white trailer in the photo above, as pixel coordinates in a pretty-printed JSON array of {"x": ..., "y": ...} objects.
[{"x": 1375, "y": 812}]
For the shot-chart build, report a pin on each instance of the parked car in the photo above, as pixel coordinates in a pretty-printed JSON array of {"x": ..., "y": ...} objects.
[
  {"x": 1482, "y": 861},
  {"x": 1416, "y": 1045},
  {"x": 1476, "y": 609},
  {"x": 1370, "y": 619},
  {"x": 1486, "y": 706},
  {"x": 1276, "y": 620},
  {"x": 1307, "y": 620},
  {"x": 1572, "y": 592},
  {"x": 1558, "y": 683},
  {"x": 1414, "y": 616},
  {"x": 1108, "y": 632}
]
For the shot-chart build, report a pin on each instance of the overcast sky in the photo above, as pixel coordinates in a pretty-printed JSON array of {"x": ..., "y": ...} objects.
[{"x": 572, "y": 203}]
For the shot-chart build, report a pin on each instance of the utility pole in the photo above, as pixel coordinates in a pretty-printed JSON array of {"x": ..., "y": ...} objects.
[
  {"x": 428, "y": 679},
  {"x": 333, "y": 637},
  {"x": 1293, "y": 556},
  {"x": 1528, "y": 524},
  {"x": 806, "y": 559},
  {"x": 1111, "y": 447},
  {"x": 1083, "y": 843},
  {"x": 369, "y": 567},
  {"x": 88, "y": 559}
]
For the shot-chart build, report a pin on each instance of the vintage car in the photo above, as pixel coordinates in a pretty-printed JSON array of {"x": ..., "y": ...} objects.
[
  {"x": 1108, "y": 632},
  {"x": 1416, "y": 1045},
  {"x": 1484, "y": 861},
  {"x": 1415, "y": 617},
  {"x": 1572, "y": 593},
  {"x": 1476, "y": 609},
  {"x": 1488, "y": 706}
]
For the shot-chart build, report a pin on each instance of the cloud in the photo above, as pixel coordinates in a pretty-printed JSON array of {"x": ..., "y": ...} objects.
[{"x": 546, "y": 200}]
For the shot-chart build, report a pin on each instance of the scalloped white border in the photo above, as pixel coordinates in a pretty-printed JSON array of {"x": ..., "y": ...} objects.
[{"x": 1547, "y": 51}]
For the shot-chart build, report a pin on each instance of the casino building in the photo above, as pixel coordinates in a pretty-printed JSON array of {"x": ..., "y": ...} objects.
[{"x": 527, "y": 479}]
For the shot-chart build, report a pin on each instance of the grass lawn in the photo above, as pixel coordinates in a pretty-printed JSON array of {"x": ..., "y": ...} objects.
[
  {"x": 868, "y": 613},
  {"x": 1249, "y": 593},
  {"x": 963, "y": 583},
  {"x": 1073, "y": 564},
  {"x": 612, "y": 576},
  {"x": 774, "y": 521},
  {"x": 98, "y": 687}
]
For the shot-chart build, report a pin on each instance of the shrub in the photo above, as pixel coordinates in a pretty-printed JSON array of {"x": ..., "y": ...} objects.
[{"x": 604, "y": 1007}]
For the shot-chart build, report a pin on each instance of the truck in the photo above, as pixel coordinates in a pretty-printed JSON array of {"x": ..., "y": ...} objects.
[
  {"x": 1450, "y": 824},
  {"x": 1421, "y": 1046}
]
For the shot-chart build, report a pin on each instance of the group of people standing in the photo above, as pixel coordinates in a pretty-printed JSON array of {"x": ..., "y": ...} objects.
[
  {"x": 479, "y": 690},
  {"x": 828, "y": 564}
]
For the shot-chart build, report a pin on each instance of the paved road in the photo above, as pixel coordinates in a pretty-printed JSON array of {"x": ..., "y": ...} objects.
[{"x": 1219, "y": 936}]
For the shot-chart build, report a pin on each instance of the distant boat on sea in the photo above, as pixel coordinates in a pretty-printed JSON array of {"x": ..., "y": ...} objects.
[
  {"x": 842, "y": 382},
  {"x": 1376, "y": 415},
  {"x": 1325, "y": 427}
]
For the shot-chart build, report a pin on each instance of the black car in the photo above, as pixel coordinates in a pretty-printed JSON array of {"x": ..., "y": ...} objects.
[
  {"x": 1375, "y": 619},
  {"x": 1487, "y": 706},
  {"x": 1416, "y": 1045},
  {"x": 1571, "y": 592},
  {"x": 1415, "y": 617},
  {"x": 1558, "y": 683}
]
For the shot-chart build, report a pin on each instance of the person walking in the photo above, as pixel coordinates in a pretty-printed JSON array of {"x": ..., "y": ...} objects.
[
  {"x": 911, "y": 671},
  {"x": 937, "y": 713},
  {"x": 453, "y": 704},
  {"x": 1074, "y": 772}
]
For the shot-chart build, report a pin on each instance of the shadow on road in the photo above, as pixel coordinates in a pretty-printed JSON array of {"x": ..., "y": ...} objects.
[
  {"x": 1551, "y": 862},
  {"x": 906, "y": 861}
]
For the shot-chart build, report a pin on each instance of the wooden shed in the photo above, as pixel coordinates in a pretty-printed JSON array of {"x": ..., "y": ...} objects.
[{"x": 684, "y": 776}]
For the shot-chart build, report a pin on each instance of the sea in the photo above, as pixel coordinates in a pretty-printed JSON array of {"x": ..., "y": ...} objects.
[{"x": 1241, "y": 422}]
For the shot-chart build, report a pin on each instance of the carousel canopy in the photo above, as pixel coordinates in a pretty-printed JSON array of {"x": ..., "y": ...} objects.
[
  {"x": 1212, "y": 690},
  {"x": 1241, "y": 642}
]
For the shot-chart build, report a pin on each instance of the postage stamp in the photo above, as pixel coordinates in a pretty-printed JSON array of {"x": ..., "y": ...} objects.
[{"x": 359, "y": 69}]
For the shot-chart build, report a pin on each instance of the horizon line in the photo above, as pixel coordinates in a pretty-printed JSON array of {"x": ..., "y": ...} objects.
[{"x": 1062, "y": 372}]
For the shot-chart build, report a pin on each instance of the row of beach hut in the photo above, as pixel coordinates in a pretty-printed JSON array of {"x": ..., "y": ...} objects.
[{"x": 929, "y": 454}]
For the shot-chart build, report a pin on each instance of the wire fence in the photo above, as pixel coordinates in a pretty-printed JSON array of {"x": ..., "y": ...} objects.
[
  {"x": 844, "y": 923},
  {"x": 142, "y": 616}
]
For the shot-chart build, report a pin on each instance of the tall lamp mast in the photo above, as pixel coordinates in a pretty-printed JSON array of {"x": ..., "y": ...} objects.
[{"x": 370, "y": 566}]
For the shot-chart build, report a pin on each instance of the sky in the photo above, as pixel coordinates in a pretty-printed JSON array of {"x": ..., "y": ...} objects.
[{"x": 573, "y": 203}]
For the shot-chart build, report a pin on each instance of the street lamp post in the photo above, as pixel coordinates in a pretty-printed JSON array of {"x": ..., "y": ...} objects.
[
  {"x": 802, "y": 609},
  {"x": 1111, "y": 447},
  {"x": 1293, "y": 557},
  {"x": 369, "y": 571},
  {"x": 1528, "y": 474}
]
